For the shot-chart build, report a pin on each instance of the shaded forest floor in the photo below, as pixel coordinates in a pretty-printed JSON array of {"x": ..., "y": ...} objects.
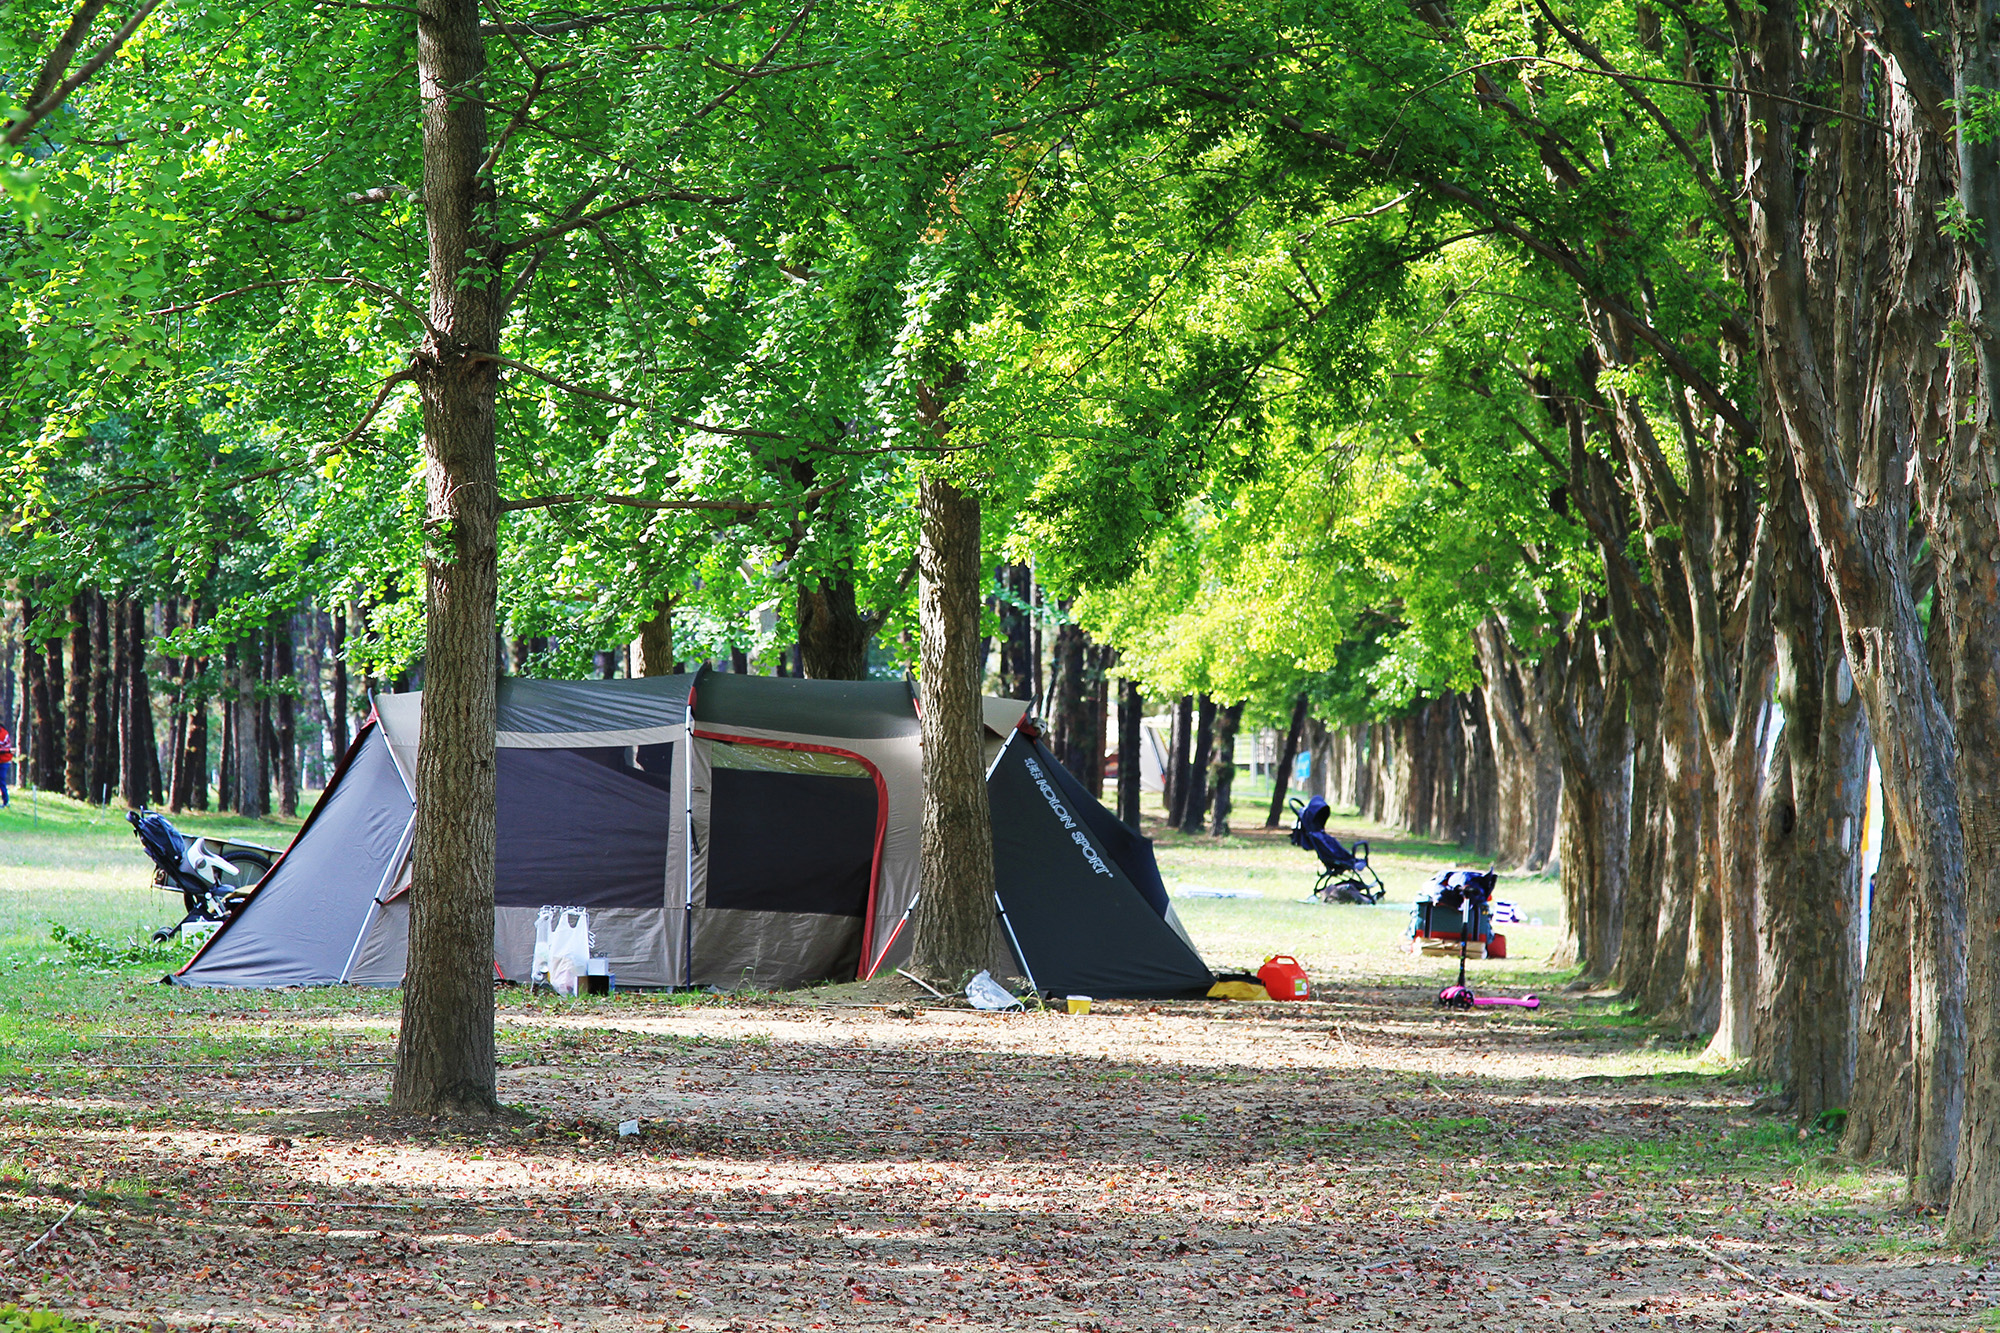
[{"x": 831, "y": 1160}]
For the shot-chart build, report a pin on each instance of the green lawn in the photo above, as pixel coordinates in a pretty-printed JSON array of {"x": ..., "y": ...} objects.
[
  {"x": 62, "y": 862},
  {"x": 1336, "y": 941}
]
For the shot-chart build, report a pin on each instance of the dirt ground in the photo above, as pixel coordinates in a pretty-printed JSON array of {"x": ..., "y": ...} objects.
[{"x": 874, "y": 1160}]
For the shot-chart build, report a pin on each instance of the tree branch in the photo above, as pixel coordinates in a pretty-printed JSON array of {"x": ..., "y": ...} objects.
[
  {"x": 589, "y": 21},
  {"x": 33, "y": 114},
  {"x": 645, "y": 502}
]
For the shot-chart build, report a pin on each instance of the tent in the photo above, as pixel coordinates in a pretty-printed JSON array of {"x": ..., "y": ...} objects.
[{"x": 723, "y": 830}]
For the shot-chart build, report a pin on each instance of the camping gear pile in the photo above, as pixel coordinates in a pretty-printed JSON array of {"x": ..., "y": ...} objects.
[
  {"x": 213, "y": 881},
  {"x": 1345, "y": 875},
  {"x": 1280, "y": 978},
  {"x": 721, "y": 830},
  {"x": 1456, "y": 912}
]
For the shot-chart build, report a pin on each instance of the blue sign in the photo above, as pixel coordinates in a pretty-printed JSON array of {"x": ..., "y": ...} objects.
[{"x": 1302, "y": 767}]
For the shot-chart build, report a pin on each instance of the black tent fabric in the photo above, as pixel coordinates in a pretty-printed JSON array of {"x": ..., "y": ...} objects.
[
  {"x": 1132, "y": 851},
  {"x": 1081, "y": 925},
  {"x": 586, "y": 820}
]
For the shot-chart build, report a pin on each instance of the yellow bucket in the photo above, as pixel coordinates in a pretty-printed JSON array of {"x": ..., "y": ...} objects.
[{"x": 1079, "y": 1004}]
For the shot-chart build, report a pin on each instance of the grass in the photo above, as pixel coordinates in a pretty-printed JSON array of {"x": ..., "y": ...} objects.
[{"x": 1344, "y": 941}]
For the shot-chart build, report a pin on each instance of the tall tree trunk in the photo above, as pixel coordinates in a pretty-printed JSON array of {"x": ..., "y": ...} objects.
[
  {"x": 1288, "y": 753},
  {"x": 1179, "y": 762},
  {"x": 225, "y": 769},
  {"x": 104, "y": 665},
  {"x": 284, "y": 668},
  {"x": 46, "y": 698},
  {"x": 1131, "y": 763},
  {"x": 1223, "y": 780},
  {"x": 1809, "y": 885},
  {"x": 1879, "y": 1121},
  {"x": 1017, "y": 640},
  {"x": 1593, "y": 736},
  {"x": 445, "y": 1053},
  {"x": 251, "y": 785},
  {"x": 955, "y": 913},
  {"x": 833, "y": 634},
  {"x": 338, "y": 711},
  {"x": 142, "y": 750},
  {"x": 1196, "y": 813},
  {"x": 76, "y": 736}
]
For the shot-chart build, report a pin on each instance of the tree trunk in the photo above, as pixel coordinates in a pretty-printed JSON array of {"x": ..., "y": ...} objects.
[
  {"x": 1017, "y": 643},
  {"x": 833, "y": 634},
  {"x": 1196, "y": 813},
  {"x": 1131, "y": 764},
  {"x": 1809, "y": 885},
  {"x": 1179, "y": 762},
  {"x": 656, "y": 641},
  {"x": 1224, "y": 779},
  {"x": 1287, "y": 754},
  {"x": 445, "y": 1053},
  {"x": 285, "y": 668},
  {"x": 250, "y": 781},
  {"x": 955, "y": 914},
  {"x": 105, "y": 663},
  {"x": 1879, "y": 1122},
  {"x": 1593, "y": 736},
  {"x": 76, "y": 736},
  {"x": 338, "y": 710},
  {"x": 141, "y": 749}
]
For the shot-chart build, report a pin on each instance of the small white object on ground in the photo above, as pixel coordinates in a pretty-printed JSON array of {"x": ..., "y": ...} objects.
[
  {"x": 627, "y": 1128},
  {"x": 1191, "y": 891},
  {"x": 986, "y": 993}
]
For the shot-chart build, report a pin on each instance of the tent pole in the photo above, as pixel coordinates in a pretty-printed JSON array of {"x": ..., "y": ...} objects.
[
  {"x": 375, "y": 901},
  {"x": 1019, "y": 957},
  {"x": 687, "y": 850}
]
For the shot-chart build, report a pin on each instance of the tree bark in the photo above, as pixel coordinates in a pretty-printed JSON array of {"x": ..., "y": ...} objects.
[
  {"x": 101, "y": 771},
  {"x": 445, "y": 1052},
  {"x": 1178, "y": 761},
  {"x": 955, "y": 912},
  {"x": 1131, "y": 761},
  {"x": 1593, "y": 737},
  {"x": 1223, "y": 780},
  {"x": 1879, "y": 1121},
  {"x": 656, "y": 641},
  {"x": 284, "y": 667},
  {"x": 1196, "y": 813},
  {"x": 1017, "y": 644},
  {"x": 833, "y": 633},
  {"x": 338, "y": 711},
  {"x": 1287, "y": 754},
  {"x": 76, "y": 734},
  {"x": 141, "y": 750}
]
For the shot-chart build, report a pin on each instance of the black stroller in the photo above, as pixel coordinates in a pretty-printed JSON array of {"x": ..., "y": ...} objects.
[
  {"x": 1345, "y": 875},
  {"x": 212, "y": 881}
]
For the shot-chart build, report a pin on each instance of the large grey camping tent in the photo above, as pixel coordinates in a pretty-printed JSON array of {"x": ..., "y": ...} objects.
[{"x": 722, "y": 830}]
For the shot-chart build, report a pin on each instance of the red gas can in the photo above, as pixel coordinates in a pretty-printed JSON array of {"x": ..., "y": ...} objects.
[{"x": 1284, "y": 979}]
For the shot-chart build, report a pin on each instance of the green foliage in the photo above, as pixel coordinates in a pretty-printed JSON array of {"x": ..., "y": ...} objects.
[
  {"x": 13, "y": 1319},
  {"x": 93, "y": 952}
]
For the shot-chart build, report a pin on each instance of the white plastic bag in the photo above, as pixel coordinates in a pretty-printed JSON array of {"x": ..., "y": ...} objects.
[
  {"x": 569, "y": 949},
  {"x": 986, "y": 993}
]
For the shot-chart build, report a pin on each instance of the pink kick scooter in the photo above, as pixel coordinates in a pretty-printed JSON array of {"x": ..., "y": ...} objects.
[{"x": 1459, "y": 995}]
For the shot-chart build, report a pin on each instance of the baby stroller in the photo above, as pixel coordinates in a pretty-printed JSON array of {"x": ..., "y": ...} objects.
[
  {"x": 1342, "y": 869},
  {"x": 210, "y": 886}
]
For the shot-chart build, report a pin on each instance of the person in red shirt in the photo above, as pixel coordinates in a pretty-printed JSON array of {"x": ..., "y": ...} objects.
[{"x": 6, "y": 762}]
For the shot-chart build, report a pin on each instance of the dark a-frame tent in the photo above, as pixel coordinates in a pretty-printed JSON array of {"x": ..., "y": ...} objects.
[{"x": 723, "y": 830}]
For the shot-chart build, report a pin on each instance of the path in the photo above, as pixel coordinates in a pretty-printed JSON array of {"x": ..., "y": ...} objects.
[{"x": 1359, "y": 1163}]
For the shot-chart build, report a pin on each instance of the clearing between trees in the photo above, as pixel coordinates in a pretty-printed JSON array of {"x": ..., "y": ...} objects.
[{"x": 854, "y": 1157}]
